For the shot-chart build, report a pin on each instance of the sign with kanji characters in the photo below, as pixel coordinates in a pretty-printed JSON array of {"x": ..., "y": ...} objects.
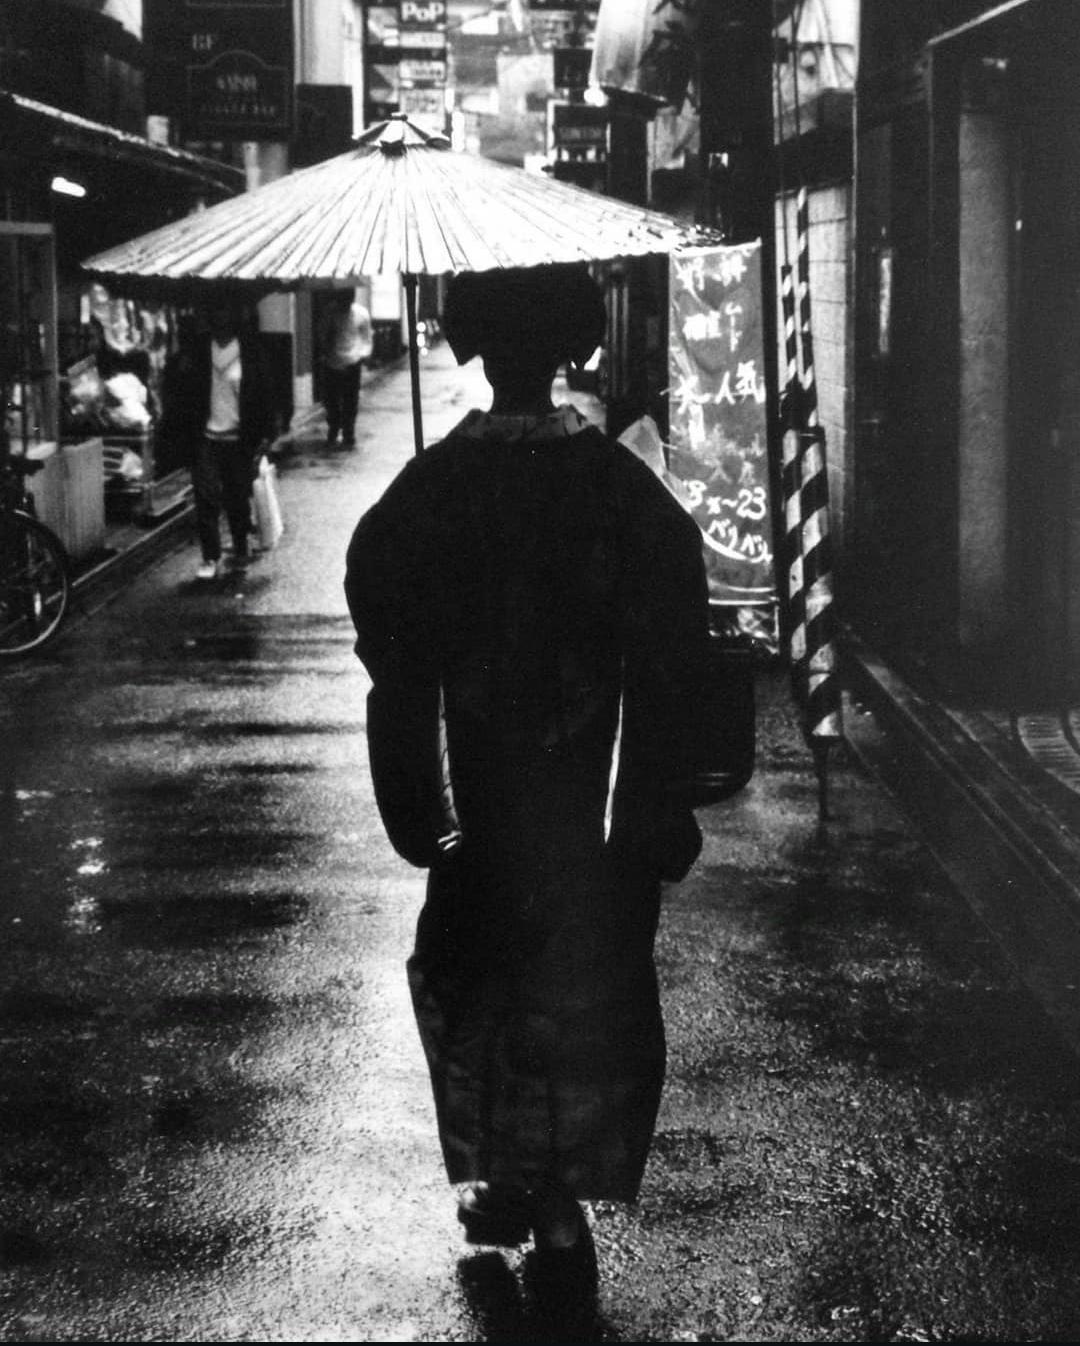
[
  {"x": 425, "y": 105},
  {"x": 422, "y": 73},
  {"x": 718, "y": 446},
  {"x": 430, "y": 41},
  {"x": 578, "y": 126}
]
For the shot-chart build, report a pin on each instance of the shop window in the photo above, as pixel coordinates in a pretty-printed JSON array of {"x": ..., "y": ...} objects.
[
  {"x": 120, "y": 363},
  {"x": 28, "y": 365}
]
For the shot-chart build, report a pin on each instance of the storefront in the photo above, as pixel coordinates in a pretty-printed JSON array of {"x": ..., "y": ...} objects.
[
  {"x": 86, "y": 372},
  {"x": 967, "y": 495}
]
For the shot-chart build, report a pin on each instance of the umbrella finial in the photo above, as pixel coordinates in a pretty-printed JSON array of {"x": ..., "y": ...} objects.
[
  {"x": 392, "y": 140},
  {"x": 397, "y": 134}
]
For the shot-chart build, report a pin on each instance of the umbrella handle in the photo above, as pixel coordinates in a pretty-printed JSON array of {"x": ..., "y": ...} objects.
[{"x": 414, "y": 363}]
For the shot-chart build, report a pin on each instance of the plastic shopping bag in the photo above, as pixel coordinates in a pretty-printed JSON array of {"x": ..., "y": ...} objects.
[{"x": 268, "y": 520}]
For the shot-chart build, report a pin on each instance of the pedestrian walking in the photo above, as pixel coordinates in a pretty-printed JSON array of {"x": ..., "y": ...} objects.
[
  {"x": 347, "y": 343},
  {"x": 232, "y": 419},
  {"x": 529, "y": 598}
]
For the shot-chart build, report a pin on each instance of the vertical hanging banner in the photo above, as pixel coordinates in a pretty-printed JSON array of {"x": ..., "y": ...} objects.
[
  {"x": 718, "y": 452},
  {"x": 422, "y": 61}
]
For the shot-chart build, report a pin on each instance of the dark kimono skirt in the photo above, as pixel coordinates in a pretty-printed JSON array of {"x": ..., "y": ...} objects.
[{"x": 547, "y": 583}]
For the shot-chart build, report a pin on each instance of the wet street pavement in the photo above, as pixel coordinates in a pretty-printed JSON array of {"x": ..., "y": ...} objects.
[{"x": 214, "y": 1112}]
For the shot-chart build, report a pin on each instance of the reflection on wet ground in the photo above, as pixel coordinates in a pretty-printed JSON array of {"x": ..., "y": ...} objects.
[
  {"x": 167, "y": 922},
  {"x": 502, "y": 1308},
  {"x": 194, "y": 726},
  {"x": 214, "y": 1096}
]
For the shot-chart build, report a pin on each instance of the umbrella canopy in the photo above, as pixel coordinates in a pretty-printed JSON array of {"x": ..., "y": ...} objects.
[{"x": 400, "y": 201}]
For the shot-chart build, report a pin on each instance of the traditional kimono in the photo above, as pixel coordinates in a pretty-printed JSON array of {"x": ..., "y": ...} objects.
[{"x": 540, "y": 576}]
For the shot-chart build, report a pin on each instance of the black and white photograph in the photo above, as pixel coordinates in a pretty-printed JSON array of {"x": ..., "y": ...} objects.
[{"x": 539, "y": 732}]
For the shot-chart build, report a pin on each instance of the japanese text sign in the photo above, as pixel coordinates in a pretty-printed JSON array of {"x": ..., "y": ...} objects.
[
  {"x": 578, "y": 125},
  {"x": 718, "y": 443}
]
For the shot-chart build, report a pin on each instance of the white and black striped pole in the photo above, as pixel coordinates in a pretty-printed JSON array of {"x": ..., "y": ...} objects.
[
  {"x": 793, "y": 625},
  {"x": 814, "y": 646}
]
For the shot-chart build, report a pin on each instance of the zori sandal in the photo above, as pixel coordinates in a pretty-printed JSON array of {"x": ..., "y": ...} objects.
[{"x": 498, "y": 1217}]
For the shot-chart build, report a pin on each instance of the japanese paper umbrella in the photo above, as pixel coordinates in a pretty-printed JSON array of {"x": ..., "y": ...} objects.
[{"x": 400, "y": 201}]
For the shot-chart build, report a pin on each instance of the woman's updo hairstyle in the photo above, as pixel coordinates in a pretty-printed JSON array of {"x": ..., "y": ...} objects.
[{"x": 543, "y": 315}]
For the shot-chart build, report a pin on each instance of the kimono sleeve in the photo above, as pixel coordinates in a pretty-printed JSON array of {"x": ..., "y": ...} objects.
[
  {"x": 666, "y": 632},
  {"x": 389, "y": 578},
  {"x": 388, "y": 589}
]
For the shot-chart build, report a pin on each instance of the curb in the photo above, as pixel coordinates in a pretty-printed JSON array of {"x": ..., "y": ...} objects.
[
  {"x": 99, "y": 583},
  {"x": 986, "y": 817}
]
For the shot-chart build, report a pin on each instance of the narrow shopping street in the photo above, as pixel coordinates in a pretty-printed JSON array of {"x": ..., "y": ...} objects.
[{"x": 215, "y": 1114}]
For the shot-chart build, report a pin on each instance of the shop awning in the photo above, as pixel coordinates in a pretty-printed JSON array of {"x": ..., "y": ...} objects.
[{"x": 68, "y": 133}]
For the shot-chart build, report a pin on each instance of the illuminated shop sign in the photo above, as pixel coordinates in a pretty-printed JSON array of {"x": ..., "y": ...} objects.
[
  {"x": 579, "y": 126},
  {"x": 718, "y": 451},
  {"x": 429, "y": 73}
]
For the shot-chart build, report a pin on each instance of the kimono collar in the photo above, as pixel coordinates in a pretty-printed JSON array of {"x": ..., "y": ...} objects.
[{"x": 561, "y": 423}]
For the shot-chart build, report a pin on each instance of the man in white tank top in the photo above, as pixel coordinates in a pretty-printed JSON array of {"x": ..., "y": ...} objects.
[
  {"x": 234, "y": 418},
  {"x": 347, "y": 342}
]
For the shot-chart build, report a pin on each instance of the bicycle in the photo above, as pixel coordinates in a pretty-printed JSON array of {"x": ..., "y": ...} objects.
[{"x": 35, "y": 572}]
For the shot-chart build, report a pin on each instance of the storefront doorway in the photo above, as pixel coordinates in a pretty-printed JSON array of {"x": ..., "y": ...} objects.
[
  {"x": 1014, "y": 122},
  {"x": 28, "y": 354},
  {"x": 967, "y": 472}
]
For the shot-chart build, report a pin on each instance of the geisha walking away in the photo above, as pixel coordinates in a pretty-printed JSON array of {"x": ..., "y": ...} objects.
[{"x": 531, "y": 577}]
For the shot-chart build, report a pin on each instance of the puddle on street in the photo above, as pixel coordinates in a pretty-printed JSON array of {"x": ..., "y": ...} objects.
[{"x": 183, "y": 919}]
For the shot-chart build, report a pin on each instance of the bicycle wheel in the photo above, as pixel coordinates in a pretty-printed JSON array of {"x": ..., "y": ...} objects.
[{"x": 35, "y": 584}]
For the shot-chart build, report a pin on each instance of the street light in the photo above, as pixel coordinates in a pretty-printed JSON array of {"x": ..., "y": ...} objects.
[{"x": 67, "y": 186}]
